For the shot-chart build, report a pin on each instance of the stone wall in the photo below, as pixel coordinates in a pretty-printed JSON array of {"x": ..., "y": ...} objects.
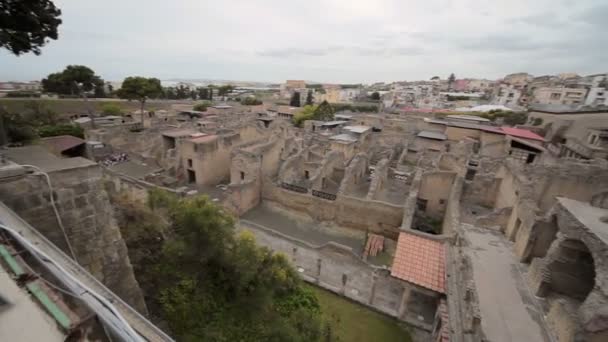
[
  {"x": 336, "y": 268},
  {"x": 89, "y": 221},
  {"x": 435, "y": 188},
  {"x": 373, "y": 216}
]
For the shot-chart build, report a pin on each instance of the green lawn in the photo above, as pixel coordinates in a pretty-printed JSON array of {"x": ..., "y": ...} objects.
[{"x": 355, "y": 323}]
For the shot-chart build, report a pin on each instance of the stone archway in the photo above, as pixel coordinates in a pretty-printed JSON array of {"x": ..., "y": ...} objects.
[{"x": 572, "y": 270}]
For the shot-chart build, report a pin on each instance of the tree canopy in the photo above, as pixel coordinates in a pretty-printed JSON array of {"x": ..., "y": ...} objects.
[
  {"x": 140, "y": 89},
  {"x": 72, "y": 81},
  {"x": 375, "y": 96},
  {"x": 25, "y": 25},
  {"x": 212, "y": 284},
  {"x": 324, "y": 112}
]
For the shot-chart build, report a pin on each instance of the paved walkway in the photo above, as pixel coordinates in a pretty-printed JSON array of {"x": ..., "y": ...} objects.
[{"x": 509, "y": 312}]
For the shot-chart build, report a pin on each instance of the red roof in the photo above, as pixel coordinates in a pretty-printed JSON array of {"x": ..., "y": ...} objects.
[
  {"x": 420, "y": 261},
  {"x": 521, "y": 133}
]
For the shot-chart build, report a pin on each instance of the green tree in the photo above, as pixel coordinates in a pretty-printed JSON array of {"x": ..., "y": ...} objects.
[
  {"x": 225, "y": 89},
  {"x": 451, "y": 80},
  {"x": 26, "y": 25},
  {"x": 203, "y": 93},
  {"x": 140, "y": 89},
  {"x": 309, "y": 99},
  {"x": 211, "y": 86},
  {"x": 213, "y": 285},
  {"x": 375, "y": 96},
  {"x": 324, "y": 112},
  {"x": 73, "y": 80},
  {"x": 295, "y": 99},
  {"x": 306, "y": 113},
  {"x": 35, "y": 120}
]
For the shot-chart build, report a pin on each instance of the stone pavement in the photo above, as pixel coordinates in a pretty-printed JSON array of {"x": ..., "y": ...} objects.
[{"x": 509, "y": 312}]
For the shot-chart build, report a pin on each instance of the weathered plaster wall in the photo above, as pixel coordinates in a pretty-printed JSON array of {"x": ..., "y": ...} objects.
[
  {"x": 435, "y": 187},
  {"x": 456, "y": 133}
]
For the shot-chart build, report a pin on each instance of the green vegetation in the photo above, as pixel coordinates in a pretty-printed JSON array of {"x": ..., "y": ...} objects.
[
  {"x": 25, "y": 26},
  {"x": 202, "y": 106},
  {"x": 111, "y": 109},
  {"x": 140, "y": 89},
  {"x": 23, "y": 94},
  {"x": 251, "y": 101},
  {"x": 210, "y": 284},
  {"x": 322, "y": 112},
  {"x": 33, "y": 121},
  {"x": 351, "y": 322},
  {"x": 74, "y": 80},
  {"x": 338, "y": 107},
  {"x": 458, "y": 98},
  {"x": 508, "y": 118},
  {"x": 62, "y": 129}
]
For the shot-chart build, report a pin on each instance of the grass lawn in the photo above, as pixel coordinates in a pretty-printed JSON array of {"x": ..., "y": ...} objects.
[{"x": 355, "y": 323}]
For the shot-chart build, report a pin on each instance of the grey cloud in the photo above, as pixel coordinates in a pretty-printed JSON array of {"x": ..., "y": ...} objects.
[
  {"x": 546, "y": 20},
  {"x": 352, "y": 50},
  {"x": 595, "y": 16},
  {"x": 294, "y": 52}
]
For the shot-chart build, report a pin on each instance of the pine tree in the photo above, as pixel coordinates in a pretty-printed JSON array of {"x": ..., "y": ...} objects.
[
  {"x": 309, "y": 98},
  {"x": 295, "y": 99}
]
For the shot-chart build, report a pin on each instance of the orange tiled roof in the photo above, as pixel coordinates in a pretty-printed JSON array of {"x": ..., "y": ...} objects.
[{"x": 420, "y": 261}]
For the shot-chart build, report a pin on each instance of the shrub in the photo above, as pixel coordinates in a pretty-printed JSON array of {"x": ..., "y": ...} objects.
[
  {"x": 202, "y": 106},
  {"x": 111, "y": 109},
  {"x": 251, "y": 101},
  {"x": 65, "y": 129}
]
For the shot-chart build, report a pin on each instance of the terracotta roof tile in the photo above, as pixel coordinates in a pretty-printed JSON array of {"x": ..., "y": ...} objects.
[
  {"x": 522, "y": 133},
  {"x": 420, "y": 261}
]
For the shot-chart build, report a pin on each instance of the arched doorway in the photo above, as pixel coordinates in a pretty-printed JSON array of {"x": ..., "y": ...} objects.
[{"x": 572, "y": 270}]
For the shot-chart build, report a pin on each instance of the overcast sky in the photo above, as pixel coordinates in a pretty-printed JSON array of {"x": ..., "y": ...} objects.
[{"x": 322, "y": 40}]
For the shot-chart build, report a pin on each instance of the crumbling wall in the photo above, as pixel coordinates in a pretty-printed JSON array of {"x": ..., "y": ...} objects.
[
  {"x": 354, "y": 174},
  {"x": 379, "y": 179},
  {"x": 322, "y": 177},
  {"x": 89, "y": 222}
]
